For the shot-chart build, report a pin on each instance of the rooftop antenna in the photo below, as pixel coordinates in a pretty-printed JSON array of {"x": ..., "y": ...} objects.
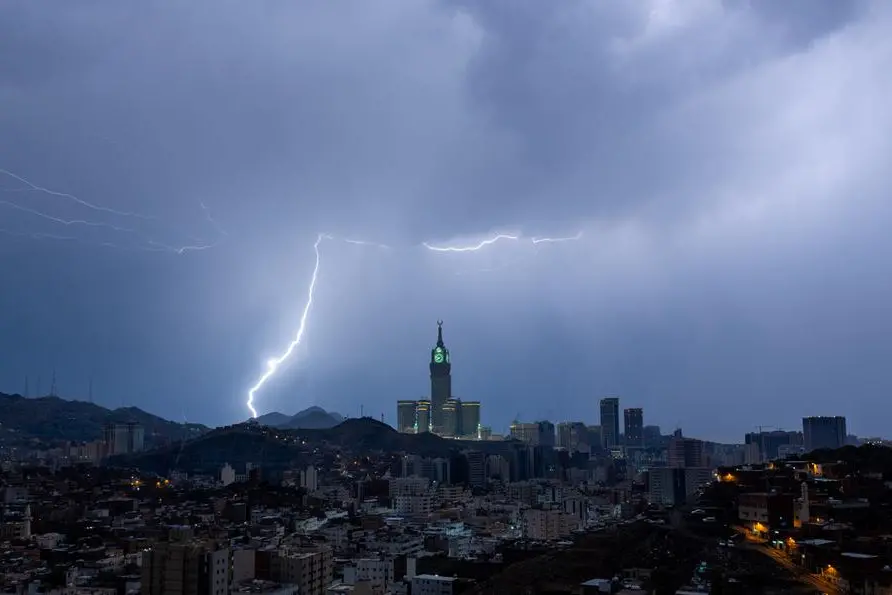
[{"x": 53, "y": 385}]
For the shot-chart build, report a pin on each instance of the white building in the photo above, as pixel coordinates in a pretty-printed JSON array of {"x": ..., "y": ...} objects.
[
  {"x": 309, "y": 479},
  {"x": 227, "y": 475},
  {"x": 377, "y": 572}
]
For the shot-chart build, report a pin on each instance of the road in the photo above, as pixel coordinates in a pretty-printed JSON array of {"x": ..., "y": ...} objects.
[{"x": 782, "y": 559}]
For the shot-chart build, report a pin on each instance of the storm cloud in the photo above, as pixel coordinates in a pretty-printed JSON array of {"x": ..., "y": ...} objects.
[{"x": 726, "y": 164}]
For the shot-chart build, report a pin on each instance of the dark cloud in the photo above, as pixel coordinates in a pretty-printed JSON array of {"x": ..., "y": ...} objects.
[{"x": 725, "y": 162}]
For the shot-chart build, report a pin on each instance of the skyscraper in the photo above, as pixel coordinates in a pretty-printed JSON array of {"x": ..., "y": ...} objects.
[
  {"x": 452, "y": 418},
  {"x": 823, "y": 432},
  {"x": 470, "y": 418},
  {"x": 634, "y": 427},
  {"x": 422, "y": 416},
  {"x": 610, "y": 422},
  {"x": 441, "y": 380},
  {"x": 405, "y": 416}
]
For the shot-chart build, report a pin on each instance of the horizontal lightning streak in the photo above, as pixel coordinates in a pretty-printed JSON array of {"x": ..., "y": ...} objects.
[
  {"x": 150, "y": 244},
  {"x": 578, "y": 236},
  {"x": 472, "y": 248},
  {"x": 72, "y": 197},
  {"x": 61, "y": 221}
]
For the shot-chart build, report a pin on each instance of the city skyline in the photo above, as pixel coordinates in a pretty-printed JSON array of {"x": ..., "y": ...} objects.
[{"x": 600, "y": 198}]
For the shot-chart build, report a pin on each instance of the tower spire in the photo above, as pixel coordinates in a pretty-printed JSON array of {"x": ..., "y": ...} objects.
[{"x": 439, "y": 333}]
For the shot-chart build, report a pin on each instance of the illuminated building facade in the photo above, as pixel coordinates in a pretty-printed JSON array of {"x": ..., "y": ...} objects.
[
  {"x": 441, "y": 382},
  {"x": 443, "y": 414},
  {"x": 422, "y": 416}
]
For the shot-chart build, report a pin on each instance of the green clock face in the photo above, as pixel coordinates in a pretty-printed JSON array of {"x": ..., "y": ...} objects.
[{"x": 438, "y": 357}]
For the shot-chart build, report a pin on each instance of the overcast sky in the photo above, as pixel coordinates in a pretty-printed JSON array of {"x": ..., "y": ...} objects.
[{"x": 727, "y": 164}]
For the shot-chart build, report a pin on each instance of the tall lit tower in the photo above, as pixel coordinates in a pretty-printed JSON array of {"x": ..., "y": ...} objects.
[{"x": 441, "y": 380}]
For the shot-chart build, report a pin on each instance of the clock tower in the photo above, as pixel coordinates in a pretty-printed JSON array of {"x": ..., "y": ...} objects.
[{"x": 441, "y": 380}]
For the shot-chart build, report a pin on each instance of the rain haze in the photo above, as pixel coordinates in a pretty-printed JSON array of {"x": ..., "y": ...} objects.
[{"x": 719, "y": 171}]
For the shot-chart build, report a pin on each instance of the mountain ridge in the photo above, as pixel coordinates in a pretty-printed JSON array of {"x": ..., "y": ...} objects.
[
  {"x": 54, "y": 419},
  {"x": 311, "y": 418}
]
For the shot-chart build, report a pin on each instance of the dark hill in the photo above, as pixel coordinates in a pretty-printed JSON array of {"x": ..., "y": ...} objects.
[
  {"x": 52, "y": 419},
  {"x": 277, "y": 448},
  {"x": 236, "y": 445}
]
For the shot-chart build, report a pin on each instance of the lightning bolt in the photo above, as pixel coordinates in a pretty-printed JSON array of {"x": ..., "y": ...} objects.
[
  {"x": 273, "y": 364},
  {"x": 473, "y": 247},
  {"x": 149, "y": 244},
  {"x": 61, "y": 221},
  {"x": 572, "y": 238},
  {"x": 31, "y": 186},
  {"x": 365, "y": 243},
  {"x": 211, "y": 220}
]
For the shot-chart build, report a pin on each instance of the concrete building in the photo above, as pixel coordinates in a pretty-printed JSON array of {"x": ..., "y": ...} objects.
[
  {"x": 429, "y": 584},
  {"x": 451, "y": 411},
  {"x": 470, "y": 419},
  {"x": 423, "y": 416},
  {"x": 124, "y": 438},
  {"x": 769, "y": 443},
  {"x": 610, "y": 422},
  {"x": 634, "y": 427},
  {"x": 476, "y": 468},
  {"x": 547, "y": 524},
  {"x": 191, "y": 568},
  {"x": 686, "y": 452},
  {"x": 405, "y": 416},
  {"x": 309, "y": 479},
  {"x": 672, "y": 486},
  {"x": 540, "y": 433},
  {"x": 376, "y": 572},
  {"x": 823, "y": 432},
  {"x": 310, "y": 568}
]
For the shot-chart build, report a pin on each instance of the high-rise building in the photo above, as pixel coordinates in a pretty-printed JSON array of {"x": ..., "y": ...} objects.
[
  {"x": 634, "y": 427},
  {"x": 652, "y": 436},
  {"x": 610, "y": 422},
  {"x": 540, "y": 433},
  {"x": 768, "y": 444},
  {"x": 525, "y": 432},
  {"x": 422, "y": 416},
  {"x": 405, "y": 416},
  {"x": 443, "y": 414},
  {"x": 123, "y": 438},
  {"x": 441, "y": 380},
  {"x": 452, "y": 417},
  {"x": 574, "y": 436},
  {"x": 823, "y": 432},
  {"x": 470, "y": 419},
  {"x": 686, "y": 452}
]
